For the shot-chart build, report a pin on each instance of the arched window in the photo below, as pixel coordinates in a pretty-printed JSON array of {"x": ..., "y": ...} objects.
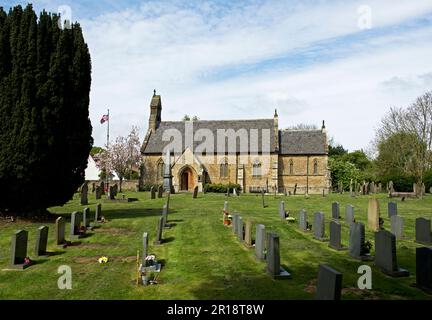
[
  {"x": 160, "y": 168},
  {"x": 223, "y": 171},
  {"x": 256, "y": 169},
  {"x": 291, "y": 167},
  {"x": 315, "y": 167}
]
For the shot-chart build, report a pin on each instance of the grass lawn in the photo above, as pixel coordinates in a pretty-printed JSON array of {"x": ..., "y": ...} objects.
[{"x": 201, "y": 258}]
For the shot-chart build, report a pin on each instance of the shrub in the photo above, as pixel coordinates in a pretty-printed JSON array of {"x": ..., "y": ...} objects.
[{"x": 221, "y": 188}]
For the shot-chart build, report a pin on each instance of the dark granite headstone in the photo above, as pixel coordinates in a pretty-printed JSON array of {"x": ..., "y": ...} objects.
[
  {"x": 262, "y": 198},
  {"x": 98, "y": 213},
  {"x": 165, "y": 215},
  {"x": 260, "y": 241},
  {"x": 335, "y": 211},
  {"x": 19, "y": 250},
  {"x": 329, "y": 284},
  {"x": 75, "y": 225},
  {"x": 273, "y": 258},
  {"x": 41, "y": 241},
  {"x": 86, "y": 218},
  {"x": 335, "y": 236},
  {"x": 392, "y": 209},
  {"x": 84, "y": 194},
  {"x": 357, "y": 241},
  {"x": 319, "y": 226},
  {"x": 385, "y": 254},
  {"x": 423, "y": 231},
  {"x": 160, "y": 191},
  {"x": 424, "y": 269},
  {"x": 102, "y": 186},
  {"x": 160, "y": 227},
  {"x": 152, "y": 193},
  {"x": 98, "y": 193},
  {"x": 195, "y": 192}
]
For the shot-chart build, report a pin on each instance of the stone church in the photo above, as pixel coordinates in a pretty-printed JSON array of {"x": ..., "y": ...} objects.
[{"x": 277, "y": 160}]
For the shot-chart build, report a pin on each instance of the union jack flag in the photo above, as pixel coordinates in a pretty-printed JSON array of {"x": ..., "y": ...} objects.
[{"x": 104, "y": 119}]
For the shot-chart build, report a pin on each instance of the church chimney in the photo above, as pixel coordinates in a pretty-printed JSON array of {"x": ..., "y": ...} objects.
[
  {"x": 276, "y": 130},
  {"x": 155, "y": 111}
]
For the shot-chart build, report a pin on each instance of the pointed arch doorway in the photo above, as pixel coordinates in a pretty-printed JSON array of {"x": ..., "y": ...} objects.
[{"x": 187, "y": 179}]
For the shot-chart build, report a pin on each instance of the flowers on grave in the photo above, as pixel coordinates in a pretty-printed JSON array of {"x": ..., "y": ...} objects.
[
  {"x": 82, "y": 230},
  {"x": 103, "y": 260},
  {"x": 291, "y": 219},
  {"x": 27, "y": 261},
  {"x": 151, "y": 260}
]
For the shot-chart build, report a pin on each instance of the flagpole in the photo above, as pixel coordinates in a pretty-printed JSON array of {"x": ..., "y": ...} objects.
[{"x": 109, "y": 164}]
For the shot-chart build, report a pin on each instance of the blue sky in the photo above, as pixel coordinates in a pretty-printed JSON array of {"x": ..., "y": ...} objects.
[{"x": 311, "y": 60}]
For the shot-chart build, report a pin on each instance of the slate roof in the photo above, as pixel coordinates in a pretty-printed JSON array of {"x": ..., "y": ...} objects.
[
  {"x": 298, "y": 142},
  {"x": 295, "y": 142},
  {"x": 156, "y": 145}
]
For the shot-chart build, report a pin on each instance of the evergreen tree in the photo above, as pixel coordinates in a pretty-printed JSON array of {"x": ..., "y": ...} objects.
[{"x": 45, "y": 131}]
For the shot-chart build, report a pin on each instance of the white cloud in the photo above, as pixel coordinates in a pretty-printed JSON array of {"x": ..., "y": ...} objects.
[{"x": 182, "y": 51}]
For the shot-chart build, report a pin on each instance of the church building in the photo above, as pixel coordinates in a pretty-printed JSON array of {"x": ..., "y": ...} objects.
[{"x": 255, "y": 154}]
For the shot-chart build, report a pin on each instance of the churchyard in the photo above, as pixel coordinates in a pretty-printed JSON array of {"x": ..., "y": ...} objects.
[{"x": 202, "y": 258}]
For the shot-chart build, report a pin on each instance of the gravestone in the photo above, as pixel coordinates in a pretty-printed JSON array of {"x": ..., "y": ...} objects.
[
  {"x": 397, "y": 226},
  {"x": 111, "y": 193},
  {"x": 226, "y": 206},
  {"x": 160, "y": 191},
  {"x": 115, "y": 190},
  {"x": 240, "y": 229},
  {"x": 248, "y": 233},
  {"x": 84, "y": 194},
  {"x": 98, "y": 193},
  {"x": 60, "y": 231},
  {"x": 335, "y": 211},
  {"x": 152, "y": 193},
  {"x": 319, "y": 226},
  {"x": 303, "y": 224},
  {"x": 335, "y": 236},
  {"x": 228, "y": 192},
  {"x": 145, "y": 249},
  {"x": 160, "y": 227},
  {"x": 262, "y": 198},
  {"x": 235, "y": 192},
  {"x": 168, "y": 199},
  {"x": 86, "y": 218},
  {"x": 98, "y": 213},
  {"x": 329, "y": 284},
  {"x": 195, "y": 192},
  {"x": 282, "y": 212},
  {"x": 349, "y": 214},
  {"x": 392, "y": 209},
  {"x": 19, "y": 250},
  {"x": 373, "y": 214},
  {"x": 357, "y": 242},
  {"x": 75, "y": 226},
  {"x": 165, "y": 215},
  {"x": 295, "y": 189},
  {"x": 260, "y": 237},
  {"x": 273, "y": 258},
  {"x": 424, "y": 269},
  {"x": 93, "y": 187},
  {"x": 234, "y": 223},
  {"x": 423, "y": 231},
  {"x": 385, "y": 254},
  {"x": 41, "y": 241}
]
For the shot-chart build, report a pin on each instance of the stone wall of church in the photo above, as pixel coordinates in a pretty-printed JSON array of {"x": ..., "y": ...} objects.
[
  {"x": 300, "y": 170},
  {"x": 275, "y": 172}
]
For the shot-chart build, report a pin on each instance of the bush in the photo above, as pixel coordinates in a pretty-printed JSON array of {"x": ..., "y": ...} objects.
[{"x": 221, "y": 188}]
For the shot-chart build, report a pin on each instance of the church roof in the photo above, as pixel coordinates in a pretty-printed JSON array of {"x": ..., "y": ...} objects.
[
  {"x": 156, "y": 145},
  {"x": 297, "y": 142}
]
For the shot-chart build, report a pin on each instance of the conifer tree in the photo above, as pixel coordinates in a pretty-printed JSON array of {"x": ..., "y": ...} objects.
[{"x": 45, "y": 131}]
